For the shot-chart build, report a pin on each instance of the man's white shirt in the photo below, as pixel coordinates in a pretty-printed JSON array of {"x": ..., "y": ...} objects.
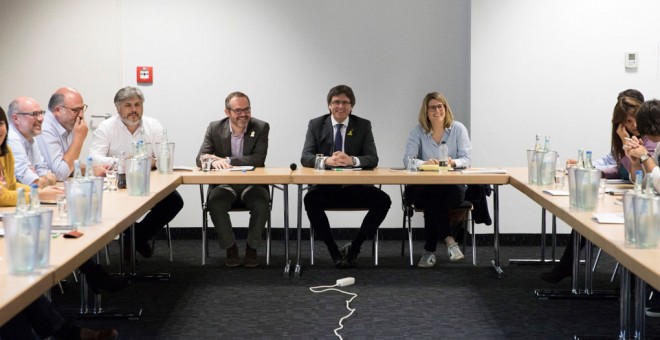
[
  {"x": 29, "y": 164},
  {"x": 112, "y": 137}
]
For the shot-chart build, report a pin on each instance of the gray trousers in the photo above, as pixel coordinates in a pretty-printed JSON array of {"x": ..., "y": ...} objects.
[{"x": 255, "y": 198}]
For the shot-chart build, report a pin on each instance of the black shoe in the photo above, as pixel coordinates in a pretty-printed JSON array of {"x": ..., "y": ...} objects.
[
  {"x": 102, "y": 334},
  {"x": 144, "y": 249},
  {"x": 555, "y": 276},
  {"x": 99, "y": 279},
  {"x": 653, "y": 312},
  {"x": 349, "y": 254}
]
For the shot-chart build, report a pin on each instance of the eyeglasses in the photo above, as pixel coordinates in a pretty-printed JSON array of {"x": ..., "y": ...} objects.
[
  {"x": 435, "y": 107},
  {"x": 340, "y": 102},
  {"x": 35, "y": 114},
  {"x": 77, "y": 110},
  {"x": 246, "y": 110}
]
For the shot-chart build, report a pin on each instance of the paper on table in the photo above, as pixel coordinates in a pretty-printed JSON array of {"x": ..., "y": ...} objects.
[
  {"x": 556, "y": 192},
  {"x": 183, "y": 167},
  {"x": 618, "y": 181},
  {"x": 483, "y": 171},
  {"x": 609, "y": 218},
  {"x": 242, "y": 168}
]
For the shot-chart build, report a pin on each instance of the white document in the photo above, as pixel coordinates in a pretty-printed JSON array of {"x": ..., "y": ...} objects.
[
  {"x": 556, "y": 192},
  {"x": 483, "y": 171},
  {"x": 183, "y": 168},
  {"x": 609, "y": 218}
]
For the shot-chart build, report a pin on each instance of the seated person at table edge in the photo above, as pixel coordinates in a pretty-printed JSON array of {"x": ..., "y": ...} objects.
[
  {"x": 345, "y": 140},
  {"x": 237, "y": 140},
  {"x": 614, "y": 165},
  {"x": 437, "y": 126},
  {"x": 40, "y": 318},
  {"x": 116, "y": 134},
  {"x": 26, "y": 118},
  {"x": 63, "y": 131}
]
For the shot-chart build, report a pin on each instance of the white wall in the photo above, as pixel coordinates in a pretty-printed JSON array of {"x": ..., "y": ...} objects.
[
  {"x": 285, "y": 55},
  {"x": 553, "y": 68}
]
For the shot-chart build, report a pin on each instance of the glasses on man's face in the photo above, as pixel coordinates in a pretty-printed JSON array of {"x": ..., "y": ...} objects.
[
  {"x": 340, "y": 103},
  {"x": 435, "y": 107},
  {"x": 34, "y": 114},
  {"x": 246, "y": 110},
  {"x": 76, "y": 110}
]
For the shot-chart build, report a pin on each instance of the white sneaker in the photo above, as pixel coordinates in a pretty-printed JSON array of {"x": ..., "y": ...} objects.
[
  {"x": 427, "y": 260},
  {"x": 455, "y": 253}
]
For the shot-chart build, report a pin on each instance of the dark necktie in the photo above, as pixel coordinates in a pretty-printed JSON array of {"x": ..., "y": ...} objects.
[{"x": 338, "y": 140}]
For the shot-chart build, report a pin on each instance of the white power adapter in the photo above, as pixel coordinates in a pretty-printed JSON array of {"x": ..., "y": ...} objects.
[{"x": 347, "y": 281}]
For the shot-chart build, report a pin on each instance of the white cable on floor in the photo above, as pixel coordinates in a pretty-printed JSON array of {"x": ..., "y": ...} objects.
[{"x": 340, "y": 283}]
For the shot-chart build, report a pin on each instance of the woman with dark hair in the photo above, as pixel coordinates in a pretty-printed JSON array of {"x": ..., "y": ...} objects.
[
  {"x": 8, "y": 183},
  {"x": 614, "y": 165},
  {"x": 437, "y": 126}
]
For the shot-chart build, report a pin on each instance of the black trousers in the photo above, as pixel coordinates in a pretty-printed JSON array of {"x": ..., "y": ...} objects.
[
  {"x": 436, "y": 200},
  {"x": 322, "y": 197},
  {"x": 160, "y": 215},
  {"x": 39, "y": 317}
]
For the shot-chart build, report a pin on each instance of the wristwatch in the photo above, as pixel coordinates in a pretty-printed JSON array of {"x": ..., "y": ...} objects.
[{"x": 643, "y": 158}]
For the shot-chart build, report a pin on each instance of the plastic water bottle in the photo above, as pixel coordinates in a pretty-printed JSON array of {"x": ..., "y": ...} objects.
[
  {"x": 35, "y": 203},
  {"x": 21, "y": 204},
  {"x": 443, "y": 158},
  {"x": 121, "y": 171},
  {"x": 164, "y": 156}
]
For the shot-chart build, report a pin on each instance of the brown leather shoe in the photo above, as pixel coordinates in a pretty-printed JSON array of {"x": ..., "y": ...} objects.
[
  {"x": 232, "y": 257},
  {"x": 102, "y": 334},
  {"x": 251, "y": 260}
]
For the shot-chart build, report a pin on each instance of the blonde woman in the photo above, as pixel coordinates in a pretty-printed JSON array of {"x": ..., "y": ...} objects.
[{"x": 437, "y": 126}]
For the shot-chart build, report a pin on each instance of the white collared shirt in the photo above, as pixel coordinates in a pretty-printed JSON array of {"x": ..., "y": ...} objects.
[
  {"x": 54, "y": 141},
  {"x": 29, "y": 165},
  {"x": 112, "y": 137}
]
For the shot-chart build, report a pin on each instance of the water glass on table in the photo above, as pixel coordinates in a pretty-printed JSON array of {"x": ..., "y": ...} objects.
[
  {"x": 206, "y": 161},
  {"x": 319, "y": 164},
  {"x": 111, "y": 179},
  {"x": 62, "y": 211},
  {"x": 412, "y": 164},
  {"x": 602, "y": 187}
]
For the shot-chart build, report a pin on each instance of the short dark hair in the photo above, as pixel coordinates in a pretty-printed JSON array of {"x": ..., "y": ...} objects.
[
  {"x": 4, "y": 149},
  {"x": 648, "y": 118},
  {"x": 57, "y": 99},
  {"x": 233, "y": 95},
  {"x": 341, "y": 89}
]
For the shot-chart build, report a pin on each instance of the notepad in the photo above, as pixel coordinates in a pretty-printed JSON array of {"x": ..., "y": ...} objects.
[
  {"x": 609, "y": 218},
  {"x": 483, "y": 171},
  {"x": 182, "y": 168},
  {"x": 242, "y": 168},
  {"x": 554, "y": 192}
]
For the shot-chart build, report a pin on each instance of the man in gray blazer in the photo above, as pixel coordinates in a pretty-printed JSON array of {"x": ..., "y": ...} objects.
[
  {"x": 345, "y": 140},
  {"x": 237, "y": 140}
]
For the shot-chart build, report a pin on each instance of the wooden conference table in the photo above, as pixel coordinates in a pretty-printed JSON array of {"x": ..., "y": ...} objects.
[
  {"x": 642, "y": 263},
  {"x": 119, "y": 212}
]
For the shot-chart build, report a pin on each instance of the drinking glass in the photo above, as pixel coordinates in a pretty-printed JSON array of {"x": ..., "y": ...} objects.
[
  {"x": 412, "y": 164},
  {"x": 61, "y": 207},
  {"x": 560, "y": 174},
  {"x": 206, "y": 161},
  {"x": 602, "y": 187},
  {"x": 111, "y": 179},
  {"x": 319, "y": 164}
]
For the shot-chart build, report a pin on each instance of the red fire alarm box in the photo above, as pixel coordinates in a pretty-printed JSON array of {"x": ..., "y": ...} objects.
[{"x": 145, "y": 74}]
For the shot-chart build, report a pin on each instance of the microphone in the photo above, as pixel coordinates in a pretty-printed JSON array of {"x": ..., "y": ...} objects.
[{"x": 293, "y": 166}]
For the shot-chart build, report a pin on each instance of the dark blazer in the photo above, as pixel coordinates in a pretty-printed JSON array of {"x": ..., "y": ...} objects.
[
  {"x": 217, "y": 141},
  {"x": 359, "y": 141}
]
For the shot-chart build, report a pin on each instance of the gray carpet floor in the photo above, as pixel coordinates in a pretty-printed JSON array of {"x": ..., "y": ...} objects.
[{"x": 449, "y": 301}]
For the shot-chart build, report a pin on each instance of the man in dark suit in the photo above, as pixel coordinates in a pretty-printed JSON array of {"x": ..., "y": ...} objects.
[
  {"x": 345, "y": 140},
  {"x": 237, "y": 140}
]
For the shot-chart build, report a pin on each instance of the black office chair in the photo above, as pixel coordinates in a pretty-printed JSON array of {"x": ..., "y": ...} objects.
[
  {"x": 237, "y": 206},
  {"x": 464, "y": 211}
]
